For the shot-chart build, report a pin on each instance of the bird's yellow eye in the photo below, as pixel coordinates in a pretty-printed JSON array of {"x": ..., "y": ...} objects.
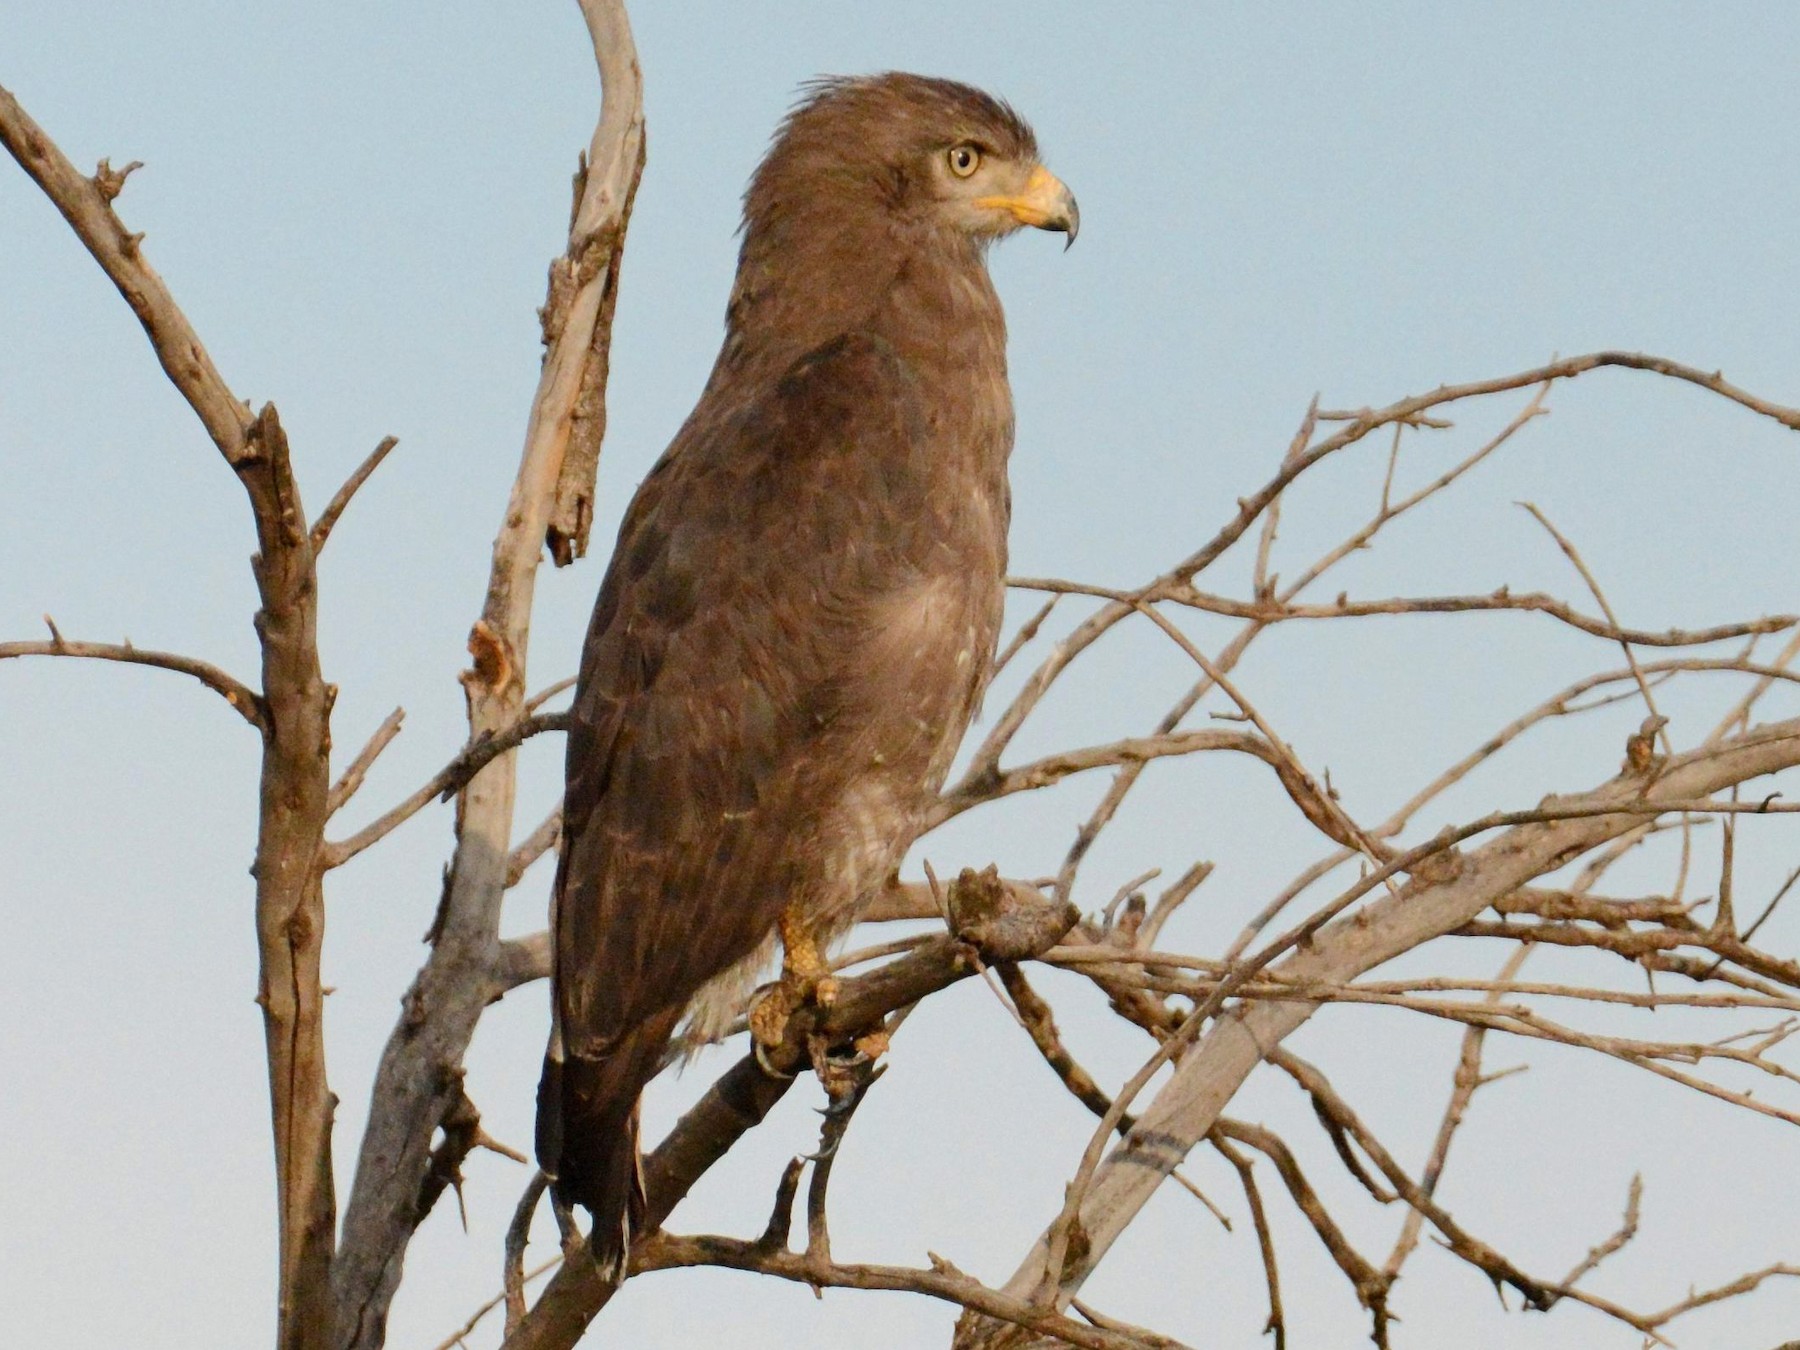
[{"x": 964, "y": 160}]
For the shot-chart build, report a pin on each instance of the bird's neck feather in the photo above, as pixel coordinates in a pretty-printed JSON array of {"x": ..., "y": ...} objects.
[{"x": 807, "y": 277}]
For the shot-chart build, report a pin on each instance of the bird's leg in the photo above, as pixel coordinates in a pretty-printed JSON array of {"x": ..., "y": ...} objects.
[
  {"x": 802, "y": 963},
  {"x": 805, "y": 977}
]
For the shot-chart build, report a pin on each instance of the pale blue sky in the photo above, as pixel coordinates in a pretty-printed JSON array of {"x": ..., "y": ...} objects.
[{"x": 355, "y": 204}]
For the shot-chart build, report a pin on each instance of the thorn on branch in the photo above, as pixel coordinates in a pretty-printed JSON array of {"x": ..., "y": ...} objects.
[{"x": 460, "y": 1126}]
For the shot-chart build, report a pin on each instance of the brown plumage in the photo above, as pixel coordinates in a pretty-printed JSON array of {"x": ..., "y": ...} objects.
[{"x": 801, "y": 609}]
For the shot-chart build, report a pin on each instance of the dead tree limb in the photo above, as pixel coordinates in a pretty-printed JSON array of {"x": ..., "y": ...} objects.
[
  {"x": 1209, "y": 1074},
  {"x": 666, "y": 1251},
  {"x": 246, "y": 702},
  {"x": 1012, "y": 923},
  {"x": 295, "y": 711},
  {"x": 417, "y": 1081},
  {"x": 328, "y": 518},
  {"x": 1357, "y": 426}
]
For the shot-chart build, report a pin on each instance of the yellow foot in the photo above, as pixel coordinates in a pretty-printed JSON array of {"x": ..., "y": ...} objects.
[
  {"x": 846, "y": 1077},
  {"x": 769, "y": 1013},
  {"x": 874, "y": 1045},
  {"x": 805, "y": 978}
]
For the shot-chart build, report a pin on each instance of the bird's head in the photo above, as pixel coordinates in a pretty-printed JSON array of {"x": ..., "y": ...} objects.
[{"x": 923, "y": 154}]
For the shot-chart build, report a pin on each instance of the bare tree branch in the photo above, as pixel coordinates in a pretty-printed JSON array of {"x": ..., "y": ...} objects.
[
  {"x": 352, "y": 777},
  {"x": 986, "y": 759},
  {"x": 328, "y": 518},
  {"x": 1500, "y": 601},
  {"x": 1212, "y": 1019},
  {"x": 1467, "y": 1081},
  {"x": 86, "y": 203},
  {"x": 584, "y": 282},
  {"x": 535, "y": 845},
  {"x": 240, "y": 696},
  {"x": 1013, "y": 923},
  {"x": 1207, "y": 1076},
  {"x": 295, "y": 711},
  {"x": 1053, "y": 769},
  {"x": 1627, "y": 1230},
  {"x": 1040, "y": 1024},
  {"x": 446, "y": 782},
  {"x": 665, "y": 1251},
  {"x": 455, "y": 1339},
  {"x": 1370, "y": 1284},
  {"x": 1358, "y": 425},
  {"x": 414, "y": 1085},
  {"x": 1276, "y": 1326}
]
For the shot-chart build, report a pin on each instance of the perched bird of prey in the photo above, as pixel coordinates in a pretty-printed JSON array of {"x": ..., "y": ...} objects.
[{"x": 801, "y": 610}]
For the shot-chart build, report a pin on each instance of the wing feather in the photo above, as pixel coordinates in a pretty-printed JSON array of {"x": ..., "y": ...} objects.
[{"x": 722, "y": 650}]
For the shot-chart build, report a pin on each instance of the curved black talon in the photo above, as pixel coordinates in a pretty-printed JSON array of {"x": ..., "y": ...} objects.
[
  {"x": 757, "y": 1048},
  {"x": 762, "y": 1062}
]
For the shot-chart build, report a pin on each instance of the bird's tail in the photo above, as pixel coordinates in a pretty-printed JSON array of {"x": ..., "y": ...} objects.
[{"x": 587, "y": 1135}]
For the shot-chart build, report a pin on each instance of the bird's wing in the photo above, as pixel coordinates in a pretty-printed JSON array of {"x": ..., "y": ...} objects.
[{"x": 717, "y": 659}]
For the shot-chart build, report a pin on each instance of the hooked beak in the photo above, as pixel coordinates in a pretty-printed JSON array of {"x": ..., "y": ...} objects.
[{"x": 1045, "y": 204}]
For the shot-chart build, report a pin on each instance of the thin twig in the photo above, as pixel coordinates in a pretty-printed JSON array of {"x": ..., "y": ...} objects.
[
  {"x": 455, "y": 1339},
  {"x": 534, "y": 846},
  {"x": 781, "y": 1214},
  {"x": 1467, "y": 1080},
  {"x": 328, "y": 518},
  {"x": 1627, "y": 1230},
  {"x": 240, "y": 696},
  {"x": 548, "y": 692},
  {"x": 666, "y": 1251},
  {"x": 518, "y": 1233},
  {"x": 1371, "y": 1285},
  {"x": 1573, "y": 554},
  {"x": 1027, "y": 631},
  {"x": 1040, "y": 1023},
  {"x": 352, "y": 778},
  {"x": 1265, "y": 1240},
  {"x": 445, "y": 783},
  {"x": 846, "y": 1095}
]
